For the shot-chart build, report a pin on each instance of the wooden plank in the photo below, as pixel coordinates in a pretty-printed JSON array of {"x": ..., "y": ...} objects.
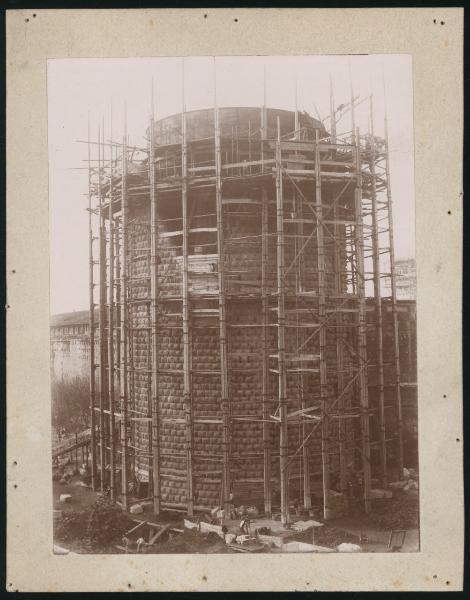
[
  {"x": 309, "y": 146},
  {"x": 249, "y": 549},
  {"x": 299, "y": 172},
  {"x": 251, "y": 163},
  {"x": 155, "y": 537},
  {"x": 336, "y": 163},
  {"x": 335, "y": 175},
  {"x": 311, "y": 221},
  {"x": 199, "y": 169},
  {"x": 325, "y": 174},
  {"x": 239, "y": 201},
  {"x": 167, "y": 234},
  {"x": 294, "y": 146},
  {"x": 203, "y": 230},
  {"x": 136, "y": 527},
  {"x": 338, "y": 222}
]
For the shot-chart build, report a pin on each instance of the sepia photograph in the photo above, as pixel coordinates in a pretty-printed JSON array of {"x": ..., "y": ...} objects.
[{"x": 233, "y": 342}]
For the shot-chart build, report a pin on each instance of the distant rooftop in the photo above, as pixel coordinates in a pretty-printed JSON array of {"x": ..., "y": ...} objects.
[{"x": 77, "y": 317}]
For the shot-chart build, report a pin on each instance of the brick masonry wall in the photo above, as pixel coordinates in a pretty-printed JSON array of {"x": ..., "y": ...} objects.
[{"x": 243, "y": 277}]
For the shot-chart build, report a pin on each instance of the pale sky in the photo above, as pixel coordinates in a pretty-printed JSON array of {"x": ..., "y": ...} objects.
[{"x": 77, "y": 87}]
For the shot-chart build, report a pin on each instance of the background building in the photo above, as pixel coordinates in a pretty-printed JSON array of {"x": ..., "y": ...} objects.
[
  {"x": 70, "y": 346},
  {"x": 405, "y": 269}
]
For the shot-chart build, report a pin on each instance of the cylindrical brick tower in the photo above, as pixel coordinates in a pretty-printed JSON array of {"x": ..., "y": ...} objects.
[{"x": 240, "y": 313}]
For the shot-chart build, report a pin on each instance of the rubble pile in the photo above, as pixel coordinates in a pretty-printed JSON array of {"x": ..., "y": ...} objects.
[
  {"x": 409, "y": 483},
  {"x": 194, "y": 542},
  {"x": 96, "y": 527}
]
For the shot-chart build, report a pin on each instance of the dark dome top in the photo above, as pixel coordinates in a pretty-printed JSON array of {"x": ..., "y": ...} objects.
[{"x": 232, "y": 120}]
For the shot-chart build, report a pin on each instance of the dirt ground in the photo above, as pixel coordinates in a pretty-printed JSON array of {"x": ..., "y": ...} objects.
[
  {"x": 399, "y": 512},
  {"x": 91, "y": 524},
  {"x": 82, "y": 497}
]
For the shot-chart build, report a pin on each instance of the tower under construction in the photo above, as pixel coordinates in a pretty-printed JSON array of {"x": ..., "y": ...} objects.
[{"x": 244, "y": 345}]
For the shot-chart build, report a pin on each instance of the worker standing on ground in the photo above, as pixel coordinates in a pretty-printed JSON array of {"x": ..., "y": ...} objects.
[{"x": 245, "y": 525}]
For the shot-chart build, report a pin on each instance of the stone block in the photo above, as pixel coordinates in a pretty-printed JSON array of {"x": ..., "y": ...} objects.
[
  {"x": 303, "y": 547},
  {"x": 304, "y": 525},
  {"x": 207, "y": 527},
  {"x": 345, "y": 547}
]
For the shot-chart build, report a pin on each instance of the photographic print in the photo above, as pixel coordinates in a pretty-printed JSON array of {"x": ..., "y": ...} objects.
[{"x": 233, "y": 305}]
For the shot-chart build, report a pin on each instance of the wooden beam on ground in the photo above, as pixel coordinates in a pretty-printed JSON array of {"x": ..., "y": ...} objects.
[{"x": 156, "y": 535}]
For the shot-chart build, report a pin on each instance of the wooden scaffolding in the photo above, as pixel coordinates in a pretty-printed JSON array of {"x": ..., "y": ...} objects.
[{"x": 323, "y": 205}]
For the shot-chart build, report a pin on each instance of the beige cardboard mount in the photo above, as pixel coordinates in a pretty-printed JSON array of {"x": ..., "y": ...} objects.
[{"x": 434, "y": 39}]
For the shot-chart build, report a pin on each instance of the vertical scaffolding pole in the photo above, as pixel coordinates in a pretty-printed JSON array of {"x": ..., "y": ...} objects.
[
  {"x": 112, "y": 442},
  {"x": 393, "y": 285},
  {"x": 124, "y": 323},
  {"x": 186, "y": 325},
  {"x": 332, "y": 113},
  {"x": 263, "y": 121},
  {"x": 117, "y": 350},
  {"x": 339, "y": 289},
  {"x": 265, "y": 308},
  {"x": 102, "y": 319},
  {"x": 131, "y": 342},
  {"x": 378, "y": 303},
  {"x": 362, "y": 329},
  {"x": 265, "y": 365},
  {"x": 339, "y": 322},
  {"x": 325, "y": 426},
  {"x": 91, "y": 321},
  {"x": 153, "y": 318},
  {"x": 296, "y": 119},
  {"x": 281, "y": 348},
  {"x": 265, "y": 313},
  {"x": 307, "y": 493},
  {"x": 222, "y": 309},
  {"x": 353, "y": 111}
]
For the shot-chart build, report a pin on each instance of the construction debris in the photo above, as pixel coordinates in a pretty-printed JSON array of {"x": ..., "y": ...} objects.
[
  {"x": 304, "y": 525},
  {"x": 136, "y": 509},
  {"x": 80, "y": 484},
  {"x": 190, "y": 525},
  {"x": 397, "y": 485},
  {"x": 303, "y": 547},
  {"x": 329, "y": 536},
  {"x": 230, "y": 538},
  {"x": 409, "y": 483},
  {"x": 207, "y": 527},
  {"x": 95, "y": 528},
  {"x": 345, "y": 547}
]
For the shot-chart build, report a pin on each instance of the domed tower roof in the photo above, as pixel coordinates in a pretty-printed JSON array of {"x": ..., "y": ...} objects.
[{"x": 233, "y": 120}]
